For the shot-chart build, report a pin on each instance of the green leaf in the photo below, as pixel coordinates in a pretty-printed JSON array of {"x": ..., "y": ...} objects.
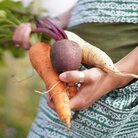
[
  {"x": 13, "y": 6},
  {"x": 2, "y": 14}
]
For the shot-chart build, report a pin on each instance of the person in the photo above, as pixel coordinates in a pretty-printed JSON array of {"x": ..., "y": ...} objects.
[{"x": 107, "y": 103}]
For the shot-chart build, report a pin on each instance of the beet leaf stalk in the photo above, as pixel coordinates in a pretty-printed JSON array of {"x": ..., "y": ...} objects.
[
  {"x": 46, "y": 23},
  {"x": 48, "y": 31}
]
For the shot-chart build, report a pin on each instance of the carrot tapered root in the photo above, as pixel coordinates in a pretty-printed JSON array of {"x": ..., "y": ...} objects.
[{"x": 39, "y": 55}]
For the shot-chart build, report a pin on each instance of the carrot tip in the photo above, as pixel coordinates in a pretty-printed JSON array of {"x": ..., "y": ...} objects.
[{"x": 68, "y": 123}]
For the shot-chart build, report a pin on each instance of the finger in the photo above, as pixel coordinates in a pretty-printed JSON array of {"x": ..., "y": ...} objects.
[
  {"x": 86, "y": 96},
  {"x": 50, "y": 102},
  {"x": 73, "y": 76},
  {"x": 78, "y": 102},
  {"x": 22, "y": 34},
  {"x": 26, "y": 36},
  {"x": 16, "y": 36}
]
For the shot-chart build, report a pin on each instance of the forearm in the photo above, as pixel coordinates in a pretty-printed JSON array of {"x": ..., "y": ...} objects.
[{"x": 128, "y": 64}]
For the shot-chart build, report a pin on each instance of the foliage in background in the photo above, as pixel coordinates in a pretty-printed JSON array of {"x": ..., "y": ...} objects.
[{"x": 18, "y": 102}]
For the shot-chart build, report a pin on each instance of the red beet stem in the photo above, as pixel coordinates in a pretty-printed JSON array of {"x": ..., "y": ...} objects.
[
  {"x": 56, "y": 28},
  {"x": 47, "y": 31}
]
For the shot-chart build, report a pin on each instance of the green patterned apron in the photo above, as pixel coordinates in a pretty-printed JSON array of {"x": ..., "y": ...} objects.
[{"x": 113, "y": 116}]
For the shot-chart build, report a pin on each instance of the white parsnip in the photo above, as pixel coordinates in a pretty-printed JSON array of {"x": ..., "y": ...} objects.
[{"x": 94, "y": 56}]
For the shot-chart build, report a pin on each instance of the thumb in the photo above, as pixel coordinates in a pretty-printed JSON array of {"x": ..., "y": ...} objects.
[{"x": 70, "y": 76}]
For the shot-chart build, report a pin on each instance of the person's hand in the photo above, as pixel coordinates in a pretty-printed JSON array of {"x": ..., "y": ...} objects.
[
  {"x": 22, "y": 35},
  {"x": 96, "y": 84}
]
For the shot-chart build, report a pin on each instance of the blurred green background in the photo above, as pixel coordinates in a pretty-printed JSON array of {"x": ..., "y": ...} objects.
[
  {"x": 18, "y": 101},
  {"x": 18, "y": 80}
]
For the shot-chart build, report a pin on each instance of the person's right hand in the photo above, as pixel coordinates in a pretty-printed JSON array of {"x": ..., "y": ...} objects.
[
  {"x": 22, "y": 35},
  {"x": 96, "y": 84}
]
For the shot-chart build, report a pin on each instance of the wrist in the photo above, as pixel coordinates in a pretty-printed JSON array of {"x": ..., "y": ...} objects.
[
  {"x": 128, "y": 64},
  {"x": 109, "y": 82},
  {"x": 115, "y": 81}
]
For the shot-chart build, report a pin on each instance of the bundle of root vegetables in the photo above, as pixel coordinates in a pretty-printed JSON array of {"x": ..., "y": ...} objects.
[{"x": 67, "y": 53}]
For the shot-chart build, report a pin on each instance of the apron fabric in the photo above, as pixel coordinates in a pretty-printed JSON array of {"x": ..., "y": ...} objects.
[
  {"x": 115, "y": 39},
  {"x": 113, "y": 116},
  {"x": 104, "y": 11}
]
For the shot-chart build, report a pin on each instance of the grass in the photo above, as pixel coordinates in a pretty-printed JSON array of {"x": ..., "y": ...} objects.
[{"x": 18, "y": 101}]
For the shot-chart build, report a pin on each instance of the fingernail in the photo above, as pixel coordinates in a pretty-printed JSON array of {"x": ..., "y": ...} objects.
[{"x": 62, "y": 77}]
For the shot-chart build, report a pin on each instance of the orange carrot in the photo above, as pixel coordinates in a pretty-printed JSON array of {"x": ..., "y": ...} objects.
[
  {"x": 39, "y": 55},
  {"x": 72, "y": 91}
]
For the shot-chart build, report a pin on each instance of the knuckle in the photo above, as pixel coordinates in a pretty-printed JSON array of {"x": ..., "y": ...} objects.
[{"x": 89, "y": 79}]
